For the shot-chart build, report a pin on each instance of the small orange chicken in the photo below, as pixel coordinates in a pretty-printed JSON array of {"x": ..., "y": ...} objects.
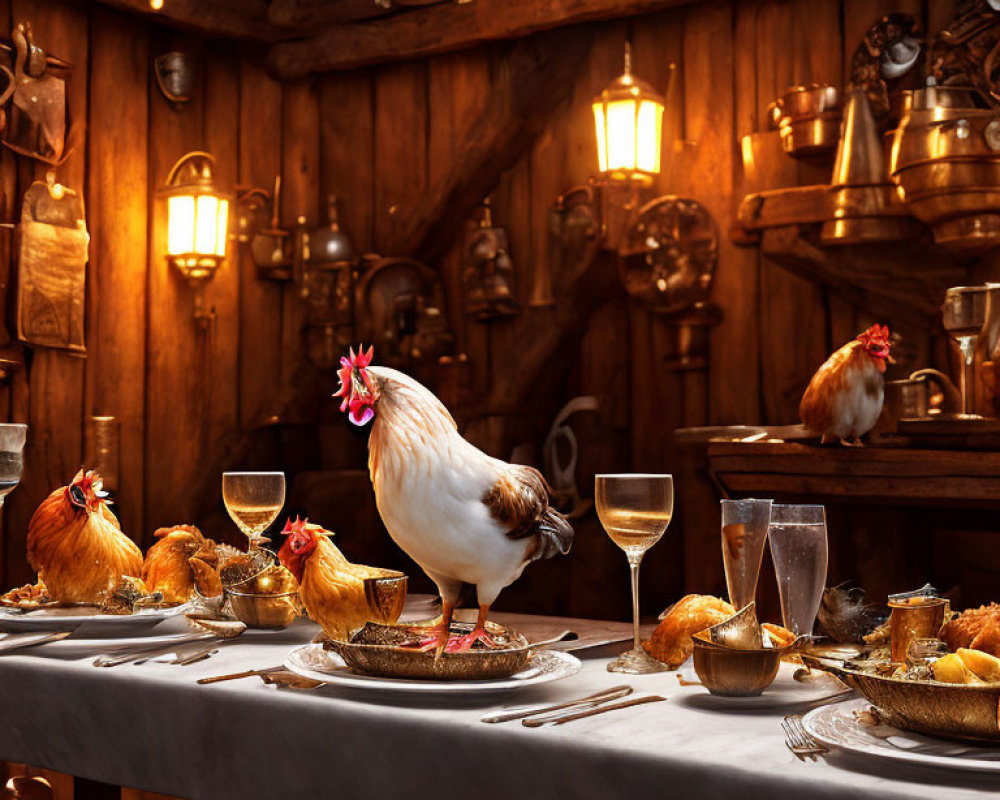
[
  {"x": 331, "y": 588},
  {"x": 76, "y": 545},
  {"x": 845, "y": 396},
  {"x": 179, "y": 561}
]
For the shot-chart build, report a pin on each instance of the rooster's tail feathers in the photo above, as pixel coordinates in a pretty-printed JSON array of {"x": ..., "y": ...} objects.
[{"x": 555, "y": 534}]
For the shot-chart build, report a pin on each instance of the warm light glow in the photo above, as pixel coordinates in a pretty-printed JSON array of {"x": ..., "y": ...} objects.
[
  {"x": 628, "y": 121},
  {"x": 649, "y": 133},
  {"x": 156, "y": 5},
  {"x": 206, "y": 224},
  {"x": 621, "y": 135},
  {"x": 602, "y": 145},
  {"x": 197, "y": 225},
  {"x": 180, "y": 224},
  {"x": 222, "y": 229}
]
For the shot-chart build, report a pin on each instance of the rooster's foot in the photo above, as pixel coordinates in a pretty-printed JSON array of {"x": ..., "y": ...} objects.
[
  {"x": 855, "y": 442},
  {"x": 462, "y": 643}
]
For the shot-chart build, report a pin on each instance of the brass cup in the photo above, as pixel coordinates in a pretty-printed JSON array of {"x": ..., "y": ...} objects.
[
  {"x": 386, "y": 596},
  {"x": 735, "y": 673},
  {"x": 921, "y": 618},
  {"x": 264, "y": 610}
]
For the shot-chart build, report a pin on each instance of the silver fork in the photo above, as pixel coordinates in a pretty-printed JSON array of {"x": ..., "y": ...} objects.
[{"x": 798, "y": 741}]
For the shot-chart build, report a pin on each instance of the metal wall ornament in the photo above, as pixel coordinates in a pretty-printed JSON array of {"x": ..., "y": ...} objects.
[
  {"x": 967, "y": 51},
  {"x": 889, "y": 59},
  {"x": 175, "y": 76},
  {"x": 669, "y": 256},
  {"x": 52, "y": 268},
  {"x": 488, "y": 270},
  {"x": 37, "y": 125},
  {"x": 400, "y": 307}
]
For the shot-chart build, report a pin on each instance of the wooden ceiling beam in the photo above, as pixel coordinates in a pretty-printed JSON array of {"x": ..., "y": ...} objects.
[
  {"x": 532, "y": 80},
  {"x": 306, "y": 14},
  {"x": 245, "y": 20},
  {"x": 440, "y": 29}
]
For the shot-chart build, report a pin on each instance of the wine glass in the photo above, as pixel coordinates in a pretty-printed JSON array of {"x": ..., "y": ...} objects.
[
  {"x": 253, "y": 500},
  {"x": 12, "y": 436},
  {"x": 798, "y": 548},
  {"x": 635, "y": 510},
  {"x": 963, "y": 315},
  {"x": 744, "y": 531}
]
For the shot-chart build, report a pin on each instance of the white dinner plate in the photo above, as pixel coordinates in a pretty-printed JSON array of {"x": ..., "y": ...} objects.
[
  {"x": 836, "y": 726},
  {"x": 784, "y": 692},
  {"x": 312, "y": 661},
  {"x": 66, "y": 617}
]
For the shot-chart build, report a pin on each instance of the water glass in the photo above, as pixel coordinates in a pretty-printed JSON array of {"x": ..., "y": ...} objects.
[{"x": 799, "y": 552}]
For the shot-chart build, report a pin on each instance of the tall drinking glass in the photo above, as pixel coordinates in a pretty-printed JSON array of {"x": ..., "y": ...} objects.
[
  {"x": 799, "y": 552},
  {"x": 253, "y": 500},
  {"x": 744, "y": 531},
  {"x": 635, "y": 510},
  {"x": 963, "y": 314},
  {"x": 12, "y": 436}
]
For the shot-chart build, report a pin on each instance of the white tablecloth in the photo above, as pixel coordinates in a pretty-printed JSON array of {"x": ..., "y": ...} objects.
[{"x": 152, "y": 727}]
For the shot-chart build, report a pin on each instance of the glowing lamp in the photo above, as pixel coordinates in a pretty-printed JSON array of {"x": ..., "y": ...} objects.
[
  {"x": 197, "y": 222},
  {"x": 628, "y": 116},
  {"x": 197, "y": 217}
]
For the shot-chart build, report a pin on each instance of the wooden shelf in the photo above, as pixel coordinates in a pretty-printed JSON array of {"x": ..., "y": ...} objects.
[{"x": 876, "y": 475}]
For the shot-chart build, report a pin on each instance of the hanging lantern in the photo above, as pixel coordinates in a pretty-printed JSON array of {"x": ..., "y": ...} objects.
[
  {"x": 197, "y": 217},
  {"x": 628, "y": 116}
]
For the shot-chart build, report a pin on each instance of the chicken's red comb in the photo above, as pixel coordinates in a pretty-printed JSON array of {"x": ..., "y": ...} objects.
[
  {"x": 875, "y": 335},
  {"x": 298, "y": 526},
  {"x": 361, "y": 359}
]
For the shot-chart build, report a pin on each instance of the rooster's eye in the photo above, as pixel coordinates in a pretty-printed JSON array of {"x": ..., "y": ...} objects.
[{"x": 77, "y": 496}]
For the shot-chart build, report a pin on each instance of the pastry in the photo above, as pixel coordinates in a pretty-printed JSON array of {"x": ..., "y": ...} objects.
[{"x": 671, "y": 641}]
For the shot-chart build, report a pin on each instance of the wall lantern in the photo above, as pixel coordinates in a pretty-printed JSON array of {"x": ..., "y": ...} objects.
[
  {"x": 628, "y": 117},
  {"x": 197, "y": 223}
]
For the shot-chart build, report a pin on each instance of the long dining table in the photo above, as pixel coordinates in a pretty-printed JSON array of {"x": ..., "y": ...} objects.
[{"x": 154, "y": 727}]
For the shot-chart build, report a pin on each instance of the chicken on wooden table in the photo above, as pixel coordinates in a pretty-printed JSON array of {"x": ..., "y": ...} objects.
[
  {"x": 845, "y": 396},
  {"x": 463, "y": 516}
]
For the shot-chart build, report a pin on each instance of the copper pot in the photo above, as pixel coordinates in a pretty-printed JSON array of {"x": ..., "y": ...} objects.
[
  {"x": 945, "y": 161},
  {"x": 807, "y": 119}
]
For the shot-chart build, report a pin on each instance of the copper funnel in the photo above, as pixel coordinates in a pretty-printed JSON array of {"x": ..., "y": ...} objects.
[
  {"x": 860, "y": 160},
  {"x": 866, "y": 205}
]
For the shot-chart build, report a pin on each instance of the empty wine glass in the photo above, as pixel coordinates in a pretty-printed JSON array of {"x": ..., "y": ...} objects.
[
  {"x": 799, "y": 552},
  {"x": 635, "y": 510},
  {"x": 12, "y": 436},
  {"x": 253, "y": 500},
  {"x": 744, "y": 531},
  {"x": 963, "y": 315}
]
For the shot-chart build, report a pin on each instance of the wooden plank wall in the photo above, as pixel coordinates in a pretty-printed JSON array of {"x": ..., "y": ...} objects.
[
  {"x": 182, "y": 395},
  {"x": 378, "y": 138}
]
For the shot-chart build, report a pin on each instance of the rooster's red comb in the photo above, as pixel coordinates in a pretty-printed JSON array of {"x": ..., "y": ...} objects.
[
  {"x": 361, "y": 359},
  {"x": 875, "y": 335}
]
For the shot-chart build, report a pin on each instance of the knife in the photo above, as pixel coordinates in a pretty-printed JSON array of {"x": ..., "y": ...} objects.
[
  {"x": 17, "y": 640},
  {"x": 555, "y": 719},
  {"x": 606, "y": 695}
]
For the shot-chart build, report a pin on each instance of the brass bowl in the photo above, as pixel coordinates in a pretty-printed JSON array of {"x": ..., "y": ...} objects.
[
  {"x": 940, "y": 709},
  {"x": 264, "y": 610},
  {"x": 376, "y": 650},
  {"x": 736, "y": 673}
]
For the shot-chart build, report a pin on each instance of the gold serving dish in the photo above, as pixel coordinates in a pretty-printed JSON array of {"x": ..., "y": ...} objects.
[
  {"x": 388, "y": 651},
  {"x": 960, "y": 711},
  {"x": 268, "y": 600},
  {"x": 732, "y": 672},
  {"x": 264, "y": 610}
]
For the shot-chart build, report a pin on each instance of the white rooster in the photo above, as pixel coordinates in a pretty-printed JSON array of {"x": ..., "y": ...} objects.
[{"x": 462, "y": 515}]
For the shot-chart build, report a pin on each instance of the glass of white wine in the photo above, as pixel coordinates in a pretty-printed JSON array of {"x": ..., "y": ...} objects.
[
  {"x": 253, "y": 500},
  {"x": 635, "y": 510}
]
